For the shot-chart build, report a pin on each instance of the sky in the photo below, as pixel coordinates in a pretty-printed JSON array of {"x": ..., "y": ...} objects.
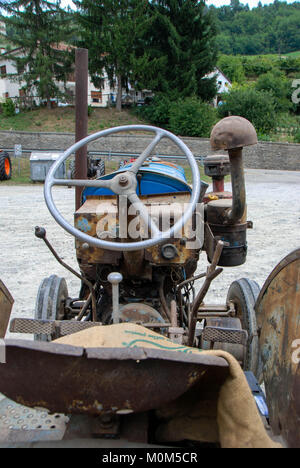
[{"x": 217, "y": 3}]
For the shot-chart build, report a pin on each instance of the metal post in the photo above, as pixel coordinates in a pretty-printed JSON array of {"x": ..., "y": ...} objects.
[{"x": 81, "y": 106}]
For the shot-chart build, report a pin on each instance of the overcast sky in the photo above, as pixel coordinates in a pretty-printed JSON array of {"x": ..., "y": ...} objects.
[{"x": 251, "y": 3}]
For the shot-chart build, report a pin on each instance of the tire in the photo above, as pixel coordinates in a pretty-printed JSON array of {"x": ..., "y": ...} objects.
[
  {"x": 71, "y": 171},
  {"x": 50, "y": 302},
  {"x": 5, "y": 166},
  {"x": 243, "y": 293},
  {"x": 101, "y": 168}
]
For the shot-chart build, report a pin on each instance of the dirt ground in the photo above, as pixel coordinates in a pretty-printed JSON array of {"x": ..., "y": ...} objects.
[{"x": 273, "y": 206}]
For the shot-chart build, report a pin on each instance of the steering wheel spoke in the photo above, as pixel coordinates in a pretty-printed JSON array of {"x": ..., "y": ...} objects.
[
  {"x": 143, "y": 212},
  {"x": 83, "y": 183},
  {"x": 146, "y": 153}
]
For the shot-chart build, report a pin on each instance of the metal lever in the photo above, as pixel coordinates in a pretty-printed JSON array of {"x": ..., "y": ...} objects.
[{"x": 114, "y": 279}]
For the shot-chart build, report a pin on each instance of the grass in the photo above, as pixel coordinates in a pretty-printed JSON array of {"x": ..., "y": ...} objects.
[
  {"x": 21, "y": 172},
  {"x": 62, "y": 119}
]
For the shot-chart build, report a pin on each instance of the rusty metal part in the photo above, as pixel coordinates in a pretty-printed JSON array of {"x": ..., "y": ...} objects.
[
  {"x": 212, "y": 273},
  {"x": 217, "y": 211},
  {"x": 235, "y": 214},
  {"x": 67, "y": 327},
  {"x": 232, "y": 132},
  {"x": 191, "y": 280},
  {"x": 236, "y": 349},
  {"x": 81, "y": 110},
  {"x": 217, "y": 166},
  {"x": 56, "y": 328},
  {"x": 175, "y": 333},
  {"x": 235, "y": 236},
  {"x": 277, "y": 311},
  {"x": 41, "y": 234},
  {"x": 137, "y": 312},
  {"x": 163, "y": 299},
  {"x": 225, "y": 335},
  {"x": 173, "y": 310},
  {"x": 209, "y": 311},
  {"x": 67, "y": 379},
  {"x": 6, "y": 303}
]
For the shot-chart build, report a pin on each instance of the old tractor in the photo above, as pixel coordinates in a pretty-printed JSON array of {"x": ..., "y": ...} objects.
[{"x": 139, "y": 233}]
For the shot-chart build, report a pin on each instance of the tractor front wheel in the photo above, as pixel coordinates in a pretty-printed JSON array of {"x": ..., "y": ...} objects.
[
  {"x": 50, "y": 302},
  {"x": 5, "y": 166},
  {"x": 243, "y": 293}
]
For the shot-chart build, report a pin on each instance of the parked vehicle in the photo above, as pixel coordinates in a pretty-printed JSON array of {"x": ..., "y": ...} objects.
[{"x": 5, "y": 166}]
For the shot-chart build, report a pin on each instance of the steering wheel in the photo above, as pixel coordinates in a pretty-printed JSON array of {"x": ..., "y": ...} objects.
[{"x": 124, "y": 183}]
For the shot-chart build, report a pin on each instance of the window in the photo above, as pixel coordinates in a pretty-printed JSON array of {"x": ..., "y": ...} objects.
[
  {"x": 3, "y": 70},
  {"x": 96, "y": 96}
]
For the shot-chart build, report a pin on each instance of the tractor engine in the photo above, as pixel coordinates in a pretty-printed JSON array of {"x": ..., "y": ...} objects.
[{"x": 150, "y": 276}]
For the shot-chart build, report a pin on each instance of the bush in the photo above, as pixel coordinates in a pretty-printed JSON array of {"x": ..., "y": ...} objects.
[
  {"x": 8, "y": 108},
  {"x": 157, "y": 112},
  {"x": 297, "y": 136},
  {"x": 232, "y": 67},
  {"x": 191, "y": 117},
  {"x": 256, "y": 106},
  {"x": 279, "y": 86}
]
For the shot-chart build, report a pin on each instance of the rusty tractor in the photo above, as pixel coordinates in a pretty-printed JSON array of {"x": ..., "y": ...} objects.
[{"x": 139, "y": 233}]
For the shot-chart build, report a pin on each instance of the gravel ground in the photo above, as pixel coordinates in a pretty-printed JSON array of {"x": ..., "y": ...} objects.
[{"x": 273, "y": 206}]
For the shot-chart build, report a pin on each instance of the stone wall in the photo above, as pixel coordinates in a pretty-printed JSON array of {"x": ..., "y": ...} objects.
[{"x": 265, "y": 155}]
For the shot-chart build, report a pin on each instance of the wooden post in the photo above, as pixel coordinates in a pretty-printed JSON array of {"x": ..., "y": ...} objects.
[{"x": 81, "y": 109}]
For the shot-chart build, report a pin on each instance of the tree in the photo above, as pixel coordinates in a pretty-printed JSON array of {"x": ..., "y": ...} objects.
[
  {"x": 257, "y": 106},
  {"x": 40, "y": 28},
  {"x": 111, "y": 30},
  {"x": 279, "y": 87},
  {"x": 181, "y": 47}
]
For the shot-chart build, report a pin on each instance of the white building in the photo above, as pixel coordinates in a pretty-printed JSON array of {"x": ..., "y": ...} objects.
[
  {"x": 11, "y": 87},
  {"x": 223, "y": 84}
]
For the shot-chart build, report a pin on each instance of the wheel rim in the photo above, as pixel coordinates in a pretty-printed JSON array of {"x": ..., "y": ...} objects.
[{"x": 7, "y": 166}]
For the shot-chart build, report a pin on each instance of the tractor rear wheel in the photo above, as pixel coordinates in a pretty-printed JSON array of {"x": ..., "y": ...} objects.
[
  {"x": 50, "y": 302},
  {"x": 244, "y": 293},
  {"x": 5, "y": 166}
]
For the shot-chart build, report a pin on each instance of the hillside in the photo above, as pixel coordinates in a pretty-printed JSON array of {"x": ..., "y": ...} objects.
[
  {"x": 268, "y": 29},
  {"x": 62, "y": 119}
]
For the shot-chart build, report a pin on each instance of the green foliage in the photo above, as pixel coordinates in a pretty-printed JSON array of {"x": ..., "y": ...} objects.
[
  {"x": 191, "y": 117},
  {"x": 8, "y": 108},
  {"x": 186, "y": 116},
  {"x": 37, "y": 27},
  {"x": 157, "y": 112},
  {"x": 90, "y": 110},
  {"x": 232, "y": 67},
  {"x": 297, "y": 136},
  {"x": 181, "y": 50},
  {"x": 266, "y": 29},
  {"x": 257, "y": 106},
  {"x": 112, "y": 30},
  {"x": 278, "y": 86}
]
